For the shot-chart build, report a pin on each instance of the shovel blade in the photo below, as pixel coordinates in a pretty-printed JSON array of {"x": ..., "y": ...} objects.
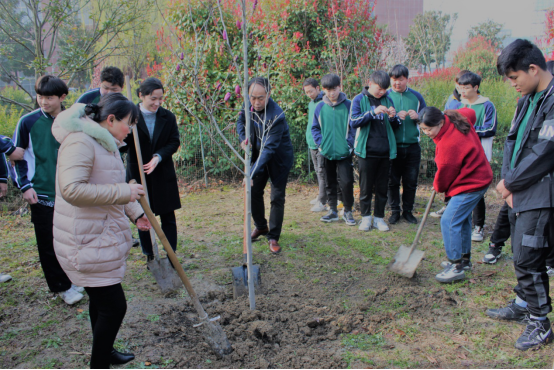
[
  {"x": 405, "y": 263},
  {"x": 165, "y": 275},
  {"x": 240, "y": 280}
]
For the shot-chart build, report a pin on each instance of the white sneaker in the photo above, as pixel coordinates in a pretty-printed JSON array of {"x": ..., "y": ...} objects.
[
  {"x": 380, "y": 224},
  {"x": 319, "y": 207},
  {"x": 78, "y": 289},
  {"x": 549, "y": 271},
  {"x": 365, "y": 223},
  {"x": 4, "y": 278},
  {"x": 477, "y": 235},
  {"x": 438, "y": 214},
  {"x": 71, "y": 296},
  {"x": 314, "y": 201}
]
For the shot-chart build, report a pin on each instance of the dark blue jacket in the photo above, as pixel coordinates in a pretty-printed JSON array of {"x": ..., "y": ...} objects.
[
  {"x": 277, "y": 155},
  {"x": 7, "y": 147}
]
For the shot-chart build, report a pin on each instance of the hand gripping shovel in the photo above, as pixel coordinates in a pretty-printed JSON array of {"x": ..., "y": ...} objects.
[
  {"x": 165, "y": 275},
  {"x": 240, "y": 274},
  {"x": 213, "y": 333},
  {"x": 407, "y": 259}
]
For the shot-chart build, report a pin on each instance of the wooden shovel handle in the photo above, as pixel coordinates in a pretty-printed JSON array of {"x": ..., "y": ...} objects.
[
  {"x": 422, "y": 224},
  {"x": 172, "y": 256}
]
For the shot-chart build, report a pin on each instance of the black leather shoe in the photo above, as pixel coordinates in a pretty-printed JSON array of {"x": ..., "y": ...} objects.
[
  {"x": 118, "y": 358},
  {"x": 394, "y": 218},
  {"x": 409, "y": 217}
]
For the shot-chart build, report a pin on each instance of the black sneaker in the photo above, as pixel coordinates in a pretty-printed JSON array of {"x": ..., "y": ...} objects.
[
  {"x": 330, "y": 216},
  {"x": 136, "y": 242},
  {"x": 537, "y": 332},
  {"x": 512, "y": 312},
  {"x": 493, "y": 255},
  {"x": 394, "y": 218},
  {"x": 349, "y": 218},
  {"x": 409, "y": 217},
  {"x": 149, "y": 258}
]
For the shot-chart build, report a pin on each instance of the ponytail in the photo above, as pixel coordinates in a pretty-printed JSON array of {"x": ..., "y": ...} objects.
[
  {"x": 115, "y": 104},
  {"x": 432, "y": 117},
  {"x": 459, "y": 120}
]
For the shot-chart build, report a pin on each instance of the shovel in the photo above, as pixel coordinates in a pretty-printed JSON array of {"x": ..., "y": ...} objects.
[
  {"x": 407, "y": 259},
  {"x": 213, "y": 333},
  {"x": 240, "y": 274}
]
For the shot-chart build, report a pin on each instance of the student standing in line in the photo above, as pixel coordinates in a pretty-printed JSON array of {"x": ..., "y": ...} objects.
[
  {"x": 335, "y": 140},
  {"x": 35, "y": 176},
  {"x": 112, "y": 80},
  {"x": 464, "y": 175},
  {"x": 528, "y": 186},
  {"x": 312, "y": 90},
  {"x": 7, "y": 147},
  {"x": 158, "y": 136},
  {"x": 485, "y": 126},
  {"x": 374, "y": 118},
  {"x": 455, "y": 99},
  {"x": 94, "y": 204},
  {"x": 405, "y": 167}
]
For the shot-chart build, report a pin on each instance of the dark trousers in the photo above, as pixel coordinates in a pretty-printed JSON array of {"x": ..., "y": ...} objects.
[
  {"x": 340, "y": 174},
  {"x": 277, "y": 200},
  {"x": 532, "y": 242},
  {"x": 169, "y": 227},
  {"x": 501, "y": 231},
  {"x": 107, "y": 308},
  {"x": 405, "y": 168},
  {"x": 374, "y": 172},
  {"x": 479, "y": 213},
  {"x": 42, "y": 218}
]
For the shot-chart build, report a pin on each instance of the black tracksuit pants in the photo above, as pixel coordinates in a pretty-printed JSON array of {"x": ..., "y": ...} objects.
[
  {"x": 479, "y": 213},
  {"x": 169, "y": 227},
  {"x": 501, "y": 231},
  {"x": 277, "y": 199},
  {"x": 340, "y": 174},
  {"x": 107, "y": 308},
  {"x": 42, "y": 218},
  {"x": 532, "y": 242},
  {"x": 405, "y": 169},
  {"x": 374, "y": 172}
]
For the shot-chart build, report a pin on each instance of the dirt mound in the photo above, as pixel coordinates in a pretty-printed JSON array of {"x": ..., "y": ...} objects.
[{"x": 286, "y": 330}]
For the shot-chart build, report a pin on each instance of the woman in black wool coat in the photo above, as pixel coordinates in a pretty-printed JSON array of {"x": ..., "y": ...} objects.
[{"x": 159, "y": 139}]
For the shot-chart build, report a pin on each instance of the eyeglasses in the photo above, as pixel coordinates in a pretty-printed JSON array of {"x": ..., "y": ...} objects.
[{"x": 466, "y": 88}]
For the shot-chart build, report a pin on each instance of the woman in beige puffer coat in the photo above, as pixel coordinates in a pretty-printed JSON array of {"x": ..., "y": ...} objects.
[{"x": 92, "y": 237}]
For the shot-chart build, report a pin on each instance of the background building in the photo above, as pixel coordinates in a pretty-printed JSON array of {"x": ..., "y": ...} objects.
[{"x": 397, "y": 15}]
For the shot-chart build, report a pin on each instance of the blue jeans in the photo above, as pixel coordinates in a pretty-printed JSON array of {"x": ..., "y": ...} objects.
[{"x": 456, "y": 224}]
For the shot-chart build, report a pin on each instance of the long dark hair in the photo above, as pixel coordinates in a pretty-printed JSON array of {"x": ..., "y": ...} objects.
[
  {"x": 115, "y": 104},
  {"x": 432, "y": 117}
]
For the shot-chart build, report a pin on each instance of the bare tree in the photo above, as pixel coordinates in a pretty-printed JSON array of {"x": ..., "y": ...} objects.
[{"x": 66, "y": 37}]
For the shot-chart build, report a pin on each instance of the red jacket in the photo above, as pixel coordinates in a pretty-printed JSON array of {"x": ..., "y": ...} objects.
[{"x": 462, "y": 166}]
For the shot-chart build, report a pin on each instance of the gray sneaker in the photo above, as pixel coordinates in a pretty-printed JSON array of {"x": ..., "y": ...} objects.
[
  {"x": 438, "y": 214},
  {"x": 451, "y": 274},
  {"x": 478, "y": 234},
  {"x": 464, "y": 265},
  {"x": 4, "y": 278},
  {"x": 550, "y": 271},
  {"x": 493, "y": 255},
  {"x": 349, "y": 218}
]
